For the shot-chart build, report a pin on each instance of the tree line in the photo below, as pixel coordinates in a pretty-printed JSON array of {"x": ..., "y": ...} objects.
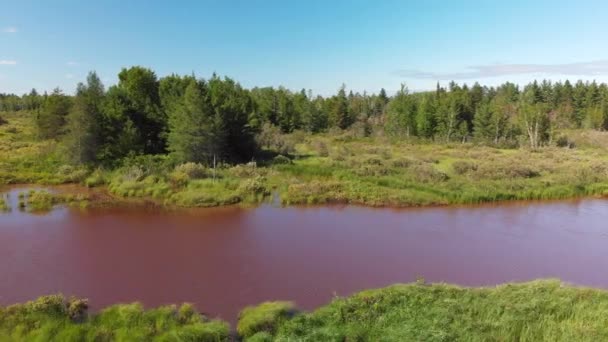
[{"x": 199, "y": 120}]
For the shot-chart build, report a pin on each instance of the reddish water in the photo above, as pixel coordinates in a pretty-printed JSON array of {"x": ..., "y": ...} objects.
[{"x": 225, "y": 259}]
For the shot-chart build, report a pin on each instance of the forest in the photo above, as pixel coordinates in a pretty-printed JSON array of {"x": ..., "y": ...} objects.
[
  {"x": 195, "y": 119},
  {"x": 190, "y": 141}
]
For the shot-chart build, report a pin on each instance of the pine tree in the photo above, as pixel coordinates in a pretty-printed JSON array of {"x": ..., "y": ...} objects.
[
  {"x": 51, "y": 119},
  {"x": 84, "y": 122},
  {"x": 195, "y": 134},
  {"x": 339, "y": 110},
  {"x": 401, "y": 114}
]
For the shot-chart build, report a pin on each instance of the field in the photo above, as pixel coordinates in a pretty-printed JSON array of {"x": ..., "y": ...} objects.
[
  {"x": 327, "y": 168},
  {"x": 544, "y": 310}
]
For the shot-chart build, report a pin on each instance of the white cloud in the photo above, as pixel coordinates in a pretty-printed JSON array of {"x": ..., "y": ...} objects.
[
  {"x": 592, "y": 68},
  {"x": 69, "y": 76},
  {"x": 10, "y": 29},
  {"x": 71, "y": 63},
  {"x": 7, "y": 62}
]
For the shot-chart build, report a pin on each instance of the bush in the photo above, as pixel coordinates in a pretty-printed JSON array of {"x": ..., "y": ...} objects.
[
  {"x": 193, "y": 170},
  {"x": 565, "y": 142},
  {"x": 281, "y": 159},
  {"x": 39, "y": 200},
  {"x": 253, "y": 186},
  {"x": 511, "y": 170},
  {"x": 461, "y": 167},
  {"x": 265, "y": 317},
  {"x": 97, "y": 178},
  {"x": 270, "y": 137},
  {"x": 321, "y": 148},
  {"x": 427, "y": 174},
  {"x": 244, "y": 170}
]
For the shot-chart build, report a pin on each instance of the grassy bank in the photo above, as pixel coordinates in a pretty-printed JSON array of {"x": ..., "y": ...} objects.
[
  {"x": 544, "y": 310},
  {"x": 325, "y": 168}
]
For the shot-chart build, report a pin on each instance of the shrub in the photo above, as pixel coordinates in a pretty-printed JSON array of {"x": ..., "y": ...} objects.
[
  {"x": 270, "y": 137},
  {"x": 564, "y": 141},
  {"x": 97, "y": 178},
  {"x": 427, "y": 174},
  {"x": 281, "y": 159},
  {"x": 77, "y": 309},
  {"x": 265, "y": 317},
  {"x": 321, "y": 148},
  {"x": 403, "y": 162},
  {"x": 253, "y": 186},
  {"x": 3, "y": 205},
  {"x": 39, "y": 200},
  {"x": 244, "y": 170},
  {"x": 72, "y": 174},
  {"x": 503, "y": 170},
  {"x": 461, "y": 167},
  {"x": 192, "y": 170}
]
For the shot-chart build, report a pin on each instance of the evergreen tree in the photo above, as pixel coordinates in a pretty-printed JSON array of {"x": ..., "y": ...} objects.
[
  {"x": 84, "y": 122},
  {"x": 51, "y": 119},
  {"x": 339, "y": 110},
  {"x": 196, "y": 133},
  {"x": 401, "y": 112}
]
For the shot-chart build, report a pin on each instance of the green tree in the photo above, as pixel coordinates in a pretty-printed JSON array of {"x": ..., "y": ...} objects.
[
  {"x": 401, "y": 114},
  {"x": 196, "y": 133},
  {"x": 141, "y": 88},
  {"x": 233, "y": 107},
  {"x": 50, "y": 121},
  {"x": 425, "y": 116},
  {"x": 84, "y": 122},
  {"x": 339, "y": 110}
]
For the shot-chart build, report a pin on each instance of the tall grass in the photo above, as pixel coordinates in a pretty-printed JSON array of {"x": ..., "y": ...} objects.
[
  {"x": 327, "y": 168},
  {"x": 55, "y": 318},
  {"x": 542, "y": 310}
]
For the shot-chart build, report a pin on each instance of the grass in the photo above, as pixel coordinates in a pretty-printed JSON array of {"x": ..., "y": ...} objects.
[
  {"x": 4, "y": 205},
  {"x": 55, "y": 318},
  {"x": 542, "y": 310},
  {"x": 43, "y": 200},
  {"x": 328, "y": 168},
  {"x": 536, "y": 311},
  {"x": 264, "y": 318}
]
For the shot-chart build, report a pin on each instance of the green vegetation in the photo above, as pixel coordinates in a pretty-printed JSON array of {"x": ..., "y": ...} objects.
[
  {"x": 42, "y": 200},
  {"x": 545, "y": 310},
  {"x": 536, "y": 311},
  {"x": 264, "y": 318},
  {"x": 53, "y": 318},
  {"x": 4, "y": 205},
  {"x": 183, "y": 141}
]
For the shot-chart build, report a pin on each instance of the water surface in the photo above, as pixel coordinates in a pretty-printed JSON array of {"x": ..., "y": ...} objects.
[{"x": 224, "y": 259}]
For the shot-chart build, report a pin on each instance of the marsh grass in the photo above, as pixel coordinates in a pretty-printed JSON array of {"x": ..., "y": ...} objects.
[
  {"x": 55, "y": 318},
  {"x": 542, "y": 310},
  {"x": 4, "y": 205},
  {"x": 537, "y": 311},
  {"x": 328, "y": 168},
  {"x": 43, "y": 200}
]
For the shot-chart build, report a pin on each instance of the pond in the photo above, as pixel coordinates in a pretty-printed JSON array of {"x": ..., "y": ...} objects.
[{"x": 226, "y": 258}]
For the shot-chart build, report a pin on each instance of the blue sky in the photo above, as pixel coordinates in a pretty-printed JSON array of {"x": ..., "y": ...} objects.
[{"x": 312, "y": 44}]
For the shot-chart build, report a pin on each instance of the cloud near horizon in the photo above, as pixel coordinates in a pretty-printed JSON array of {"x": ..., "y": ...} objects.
[
  {"x": 592, "y": 68},
  {"x": 7, "y": 62}
]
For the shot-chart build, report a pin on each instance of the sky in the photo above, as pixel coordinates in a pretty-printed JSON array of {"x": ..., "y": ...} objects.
[{"x": 313, "y": 44}]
